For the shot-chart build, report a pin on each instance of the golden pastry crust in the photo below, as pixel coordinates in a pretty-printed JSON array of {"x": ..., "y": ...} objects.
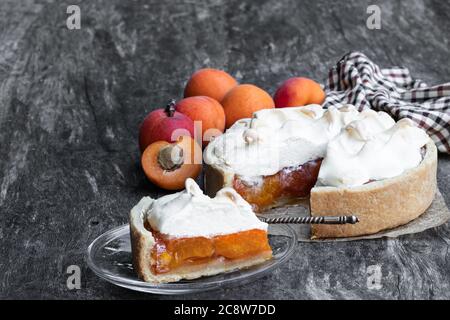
[
  {"x": 379, "y": 205},
  {"x": 142, "y": 243}
]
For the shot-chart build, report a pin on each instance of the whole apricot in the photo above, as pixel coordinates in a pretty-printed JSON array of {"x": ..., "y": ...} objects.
[
  {"x": 168, "y": 165},
  {"x": 164, "y": 124},
  {"x": 243, "y": 100},
  {"x": 209, "y": 82},
  {"x": 296, "y": 92},
  {"x": 205, "y": 110}
]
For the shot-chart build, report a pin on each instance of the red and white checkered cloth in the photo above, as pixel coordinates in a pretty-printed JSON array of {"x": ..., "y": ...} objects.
[{"x": 357, "y": 80}]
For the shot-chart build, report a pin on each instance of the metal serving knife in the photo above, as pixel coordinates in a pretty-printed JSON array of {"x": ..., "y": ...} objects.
[{"x": 311, "y": 220}]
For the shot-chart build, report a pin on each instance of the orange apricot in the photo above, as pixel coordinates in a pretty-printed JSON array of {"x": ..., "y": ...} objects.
[
  {"x": 243, "y": 100},
  {"x": 296, "y": 92},
  {"x": 206, "y": 110},
  {"x": 209, "y": 82},
  {"x": 168, "y": 165}
]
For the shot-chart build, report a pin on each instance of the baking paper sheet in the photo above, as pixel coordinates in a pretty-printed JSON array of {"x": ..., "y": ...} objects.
[{"x": 438, "y": 213}]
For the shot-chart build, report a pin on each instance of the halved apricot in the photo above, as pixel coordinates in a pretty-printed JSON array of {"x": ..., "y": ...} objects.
[{"x": 168, "y": 165}]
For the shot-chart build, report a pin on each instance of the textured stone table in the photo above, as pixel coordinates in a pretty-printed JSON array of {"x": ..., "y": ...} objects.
[{"x": 71, "y": 102}]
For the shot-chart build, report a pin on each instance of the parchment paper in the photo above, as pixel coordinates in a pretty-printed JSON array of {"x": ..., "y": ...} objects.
[{"x": 438, "y": 213}]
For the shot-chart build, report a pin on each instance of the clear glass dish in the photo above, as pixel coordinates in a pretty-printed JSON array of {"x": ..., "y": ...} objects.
[{"x": 109, "y": 257}]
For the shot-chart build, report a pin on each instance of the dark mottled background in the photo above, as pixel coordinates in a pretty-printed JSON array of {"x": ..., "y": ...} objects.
[{"x": 71, "y": 102}]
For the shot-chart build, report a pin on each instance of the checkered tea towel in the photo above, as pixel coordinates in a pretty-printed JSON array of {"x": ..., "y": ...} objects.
[{"x": 357, "y": 80}]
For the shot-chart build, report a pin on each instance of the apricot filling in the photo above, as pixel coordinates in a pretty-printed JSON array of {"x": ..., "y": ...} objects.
[
  {"x": 293, "y": 182},
  {"x": 171, "y": 254}
]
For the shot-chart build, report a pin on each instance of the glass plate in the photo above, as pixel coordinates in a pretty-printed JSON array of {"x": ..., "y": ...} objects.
[{"x": 109, "y": 257}]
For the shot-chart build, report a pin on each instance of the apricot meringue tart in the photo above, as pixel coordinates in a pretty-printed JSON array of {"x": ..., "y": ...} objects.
[
  {"x": 342, "y": 160},
  {"x": 187, "y": 235}
]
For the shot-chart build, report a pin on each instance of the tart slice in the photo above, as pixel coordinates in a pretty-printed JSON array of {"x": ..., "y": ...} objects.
[{"x": 188, "y": 235}]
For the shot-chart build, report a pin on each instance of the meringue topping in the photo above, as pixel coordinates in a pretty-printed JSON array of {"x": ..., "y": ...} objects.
[
  {"x": 274, "y": 139},
  {"x": 348, "y": 140},
  {"x": 190, "y": 213},
  {"x": 359, "y": 155}
]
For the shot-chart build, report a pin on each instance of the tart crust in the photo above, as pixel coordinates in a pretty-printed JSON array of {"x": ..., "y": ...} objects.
[
  {"x": 379, "y": 205},
  {"x": 142, "y": 242}
]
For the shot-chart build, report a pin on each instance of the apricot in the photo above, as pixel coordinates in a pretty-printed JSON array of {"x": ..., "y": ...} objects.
[
  {"x": 191, "y": 248},
  {"x": 170, "y": 254},
  {"x": 245, "y": 243},
  {"x": 296, "y": 92},
  {"x": 243, "y": 100},
  {"x": 209, "y": 82},
  {"x": 165, "y": 125},
  {"x": 207, "y": 111},
  {"x": 168, "y": 165}
]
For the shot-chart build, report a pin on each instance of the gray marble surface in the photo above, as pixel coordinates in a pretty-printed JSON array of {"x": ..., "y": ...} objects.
[{"x": 71, "y": 102}]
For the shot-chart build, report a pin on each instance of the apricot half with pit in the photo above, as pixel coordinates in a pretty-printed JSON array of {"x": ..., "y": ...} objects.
[{"x": 168, "y": 165}]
